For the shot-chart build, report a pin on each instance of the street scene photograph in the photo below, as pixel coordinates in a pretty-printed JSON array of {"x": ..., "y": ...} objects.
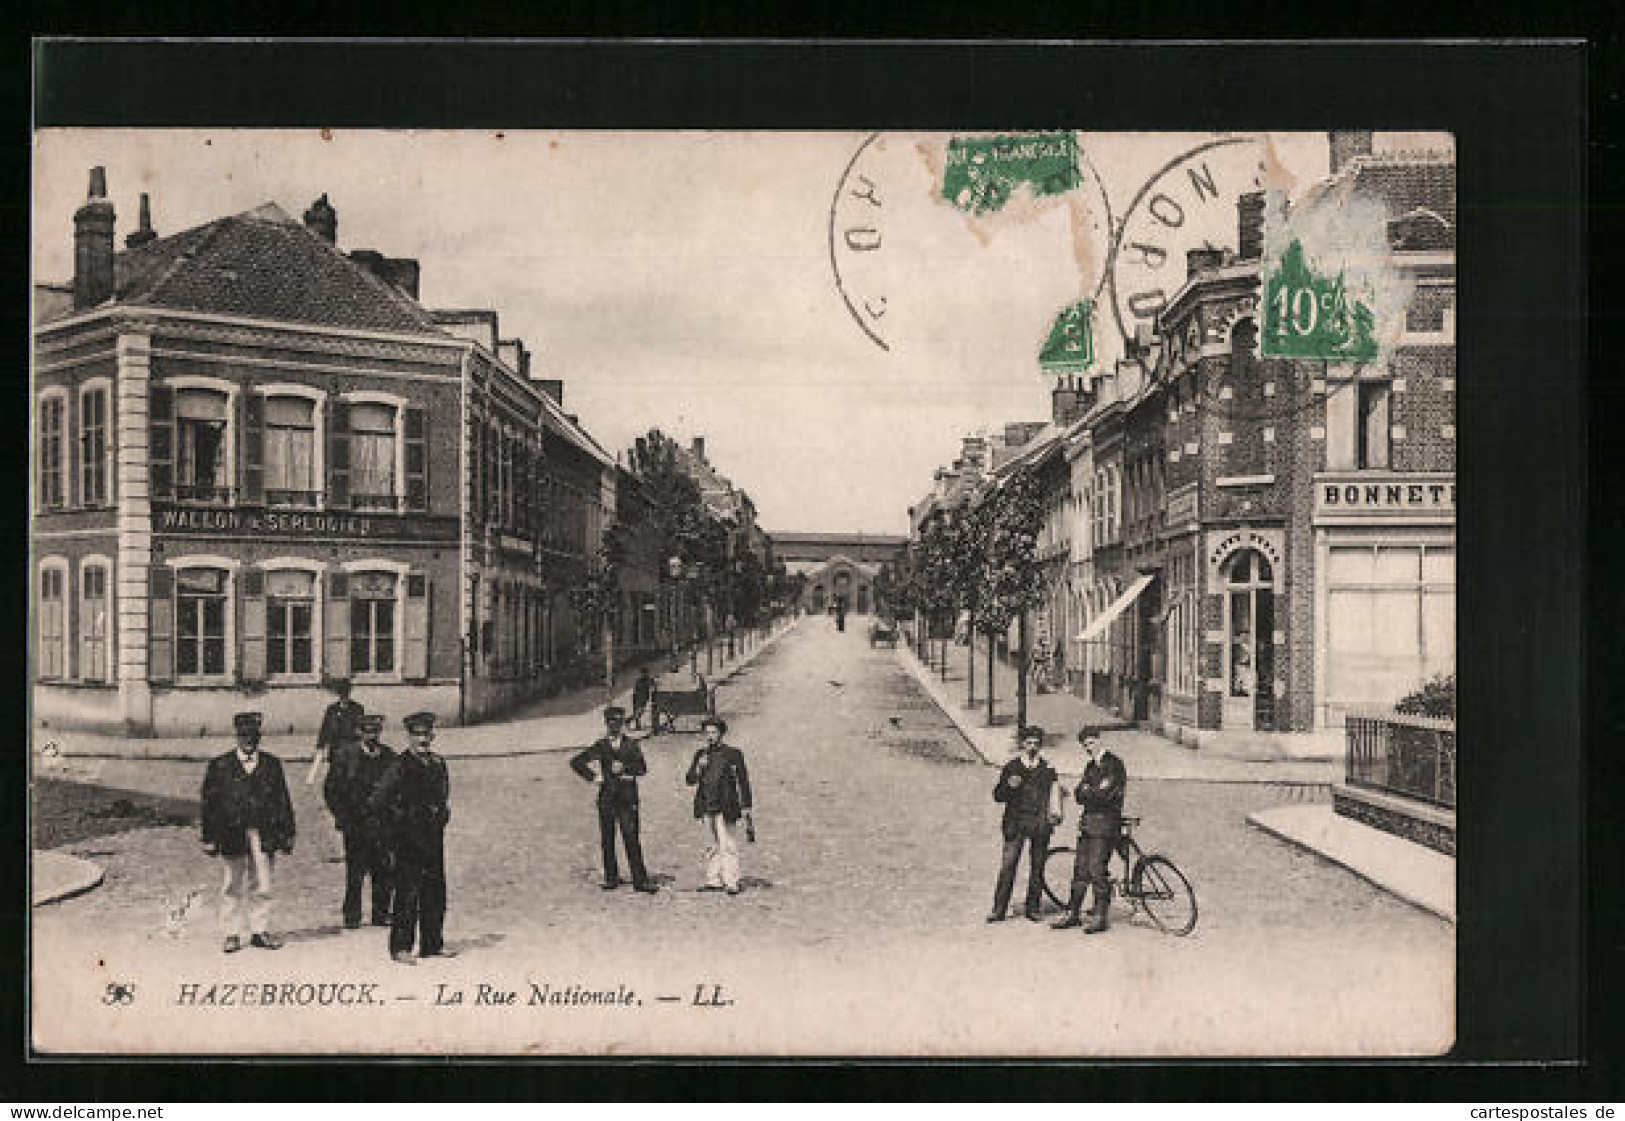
[{"x": 724, "y": 593}]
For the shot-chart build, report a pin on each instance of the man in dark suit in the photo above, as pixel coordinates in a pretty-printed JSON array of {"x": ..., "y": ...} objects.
[
  {"x": 1032, "y": 809},
  {"x": 614, "y": 763},
  {"x": 354, "y": 774},
  {"x": 247, "y": 819},
  {"x": 1100, "y": 828},
  {"x": 414, "y": 796},
  {"x": 721, "y": 798},
  {"x": 338, "y": 728}
]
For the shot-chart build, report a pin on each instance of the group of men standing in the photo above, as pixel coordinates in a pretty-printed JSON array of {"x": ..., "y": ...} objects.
[
  {"x": 722, "y": 800},
  {"x": 1030, "y": 790},
  {"x": 391, "y": 808}
]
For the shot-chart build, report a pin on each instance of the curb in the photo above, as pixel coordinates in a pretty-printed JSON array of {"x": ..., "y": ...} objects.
[
  {"x": 304, "y": 756},
  {"x": 971, "y": 734},
  {"x": 67, "y": 876},
  {"x": 1415, "y": 900}
]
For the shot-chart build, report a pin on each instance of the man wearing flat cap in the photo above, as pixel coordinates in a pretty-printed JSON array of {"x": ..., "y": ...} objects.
[
  {"x": 355, "y": 773},
  {"x": 414, "y": 798},
  {"x": 613, "y": 763},
  {"x": 721, "y": 798},
  {"x": 1100, "y": 828},
  {"x": 1031, "y": 796},
  {"x": 247, "y": 819}
]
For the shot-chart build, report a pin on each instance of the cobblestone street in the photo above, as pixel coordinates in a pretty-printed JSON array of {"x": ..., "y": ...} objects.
[{"x": 860, "y": 930}]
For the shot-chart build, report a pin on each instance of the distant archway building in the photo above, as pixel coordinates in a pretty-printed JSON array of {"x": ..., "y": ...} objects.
[{"x": 838, "y": 566}]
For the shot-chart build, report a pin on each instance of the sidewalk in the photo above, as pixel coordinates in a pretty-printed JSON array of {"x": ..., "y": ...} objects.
[
  {"x": 60, "y": 875},
  {"x": 1061, "y": 714},
  {"x": 1413, "y": 872},
  {"x": 554, "y": 724}
]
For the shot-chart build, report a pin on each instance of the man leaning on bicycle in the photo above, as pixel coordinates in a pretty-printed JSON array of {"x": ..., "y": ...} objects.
[{"x": 1100, "y": 794}]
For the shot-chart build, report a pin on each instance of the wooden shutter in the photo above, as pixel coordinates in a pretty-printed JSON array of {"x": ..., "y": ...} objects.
[
  {"x": 336, "y": 625},
  {"x": 251, "y": 632},
  {"x": 253, "y": 445},
  {"x": 338, "y": 455},
  {"x": 415, "y": 629},
  {"x": 417, "y": 458},
  {"x": 161, "y": 441},
  {"x": 161, "y": 625}
]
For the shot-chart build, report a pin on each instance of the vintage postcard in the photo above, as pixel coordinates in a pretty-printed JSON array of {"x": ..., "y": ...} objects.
[{"x": 710, "y": 593}]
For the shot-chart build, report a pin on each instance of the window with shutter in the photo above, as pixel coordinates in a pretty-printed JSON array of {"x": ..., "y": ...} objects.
[
  {"x": 161, "y": 441},
  {"x": 253, "y": 467},
  {"x": 52, "y": 622},
  {"x": 93, "y": 615},
  {"x": 417, "y": 459},
  {"x": 252, "y": 631},
  {"x": 415, "y": 629},
  {"x": 161, "y": 625},
  {"x": 336, "y": 625},
  {"x": 338, "y": 456}
]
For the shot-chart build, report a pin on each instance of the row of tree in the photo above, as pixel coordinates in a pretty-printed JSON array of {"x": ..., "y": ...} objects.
[
  {"x": 978, "y": 562},
  {"x": 706, "y": 560}
]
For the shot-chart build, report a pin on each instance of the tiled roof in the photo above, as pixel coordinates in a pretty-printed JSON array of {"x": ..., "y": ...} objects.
[
  {"x": 1408, "y": 184},
  {"x": 264, "y": 265}
]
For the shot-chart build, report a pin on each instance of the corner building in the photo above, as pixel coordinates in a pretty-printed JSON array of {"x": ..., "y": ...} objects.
[
  {"x": 259, "y": 466},
  {"x": 1273, "y": 540}
]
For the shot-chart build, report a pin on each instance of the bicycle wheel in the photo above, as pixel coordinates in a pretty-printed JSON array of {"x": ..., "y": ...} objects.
[
  {"x": 1058, "y": 875},
  {"x": 1165, "y": 894}
]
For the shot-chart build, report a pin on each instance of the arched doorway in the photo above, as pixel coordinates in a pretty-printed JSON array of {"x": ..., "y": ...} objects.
[{"x": 1249, "y": 647}]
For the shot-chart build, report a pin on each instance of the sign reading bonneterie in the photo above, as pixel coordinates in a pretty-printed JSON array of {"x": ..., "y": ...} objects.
[{"x": 299, "y": 525}]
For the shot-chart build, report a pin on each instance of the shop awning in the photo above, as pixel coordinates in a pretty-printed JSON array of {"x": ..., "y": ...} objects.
[{"x": 1097, "y": 626}]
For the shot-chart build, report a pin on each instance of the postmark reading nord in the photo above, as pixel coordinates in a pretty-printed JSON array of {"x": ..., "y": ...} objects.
[{"x": 1311, "y": 282}]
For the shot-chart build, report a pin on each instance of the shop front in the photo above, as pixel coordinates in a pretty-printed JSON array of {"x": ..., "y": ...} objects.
[{"x": 1385, "y": 554}]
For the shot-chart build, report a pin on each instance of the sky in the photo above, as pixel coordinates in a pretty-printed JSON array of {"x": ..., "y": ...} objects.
[{"x": 700, "y": 282}]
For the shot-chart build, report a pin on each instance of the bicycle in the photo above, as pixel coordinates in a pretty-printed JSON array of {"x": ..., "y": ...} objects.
[{"x": 1150, "y": 883}]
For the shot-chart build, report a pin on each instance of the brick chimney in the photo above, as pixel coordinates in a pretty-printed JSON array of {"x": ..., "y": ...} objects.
[
  {"x": 1250, "y": 226},
  {"x": 554, "y": 388},
  {"x": 1200, "y": 260},
  {"x": 144, "y": 233},
  {"x": 697, "y": 446},
  {"x": 323, "y": 221},
  {"x": 1347, "y": 145},
  {"x": 403, "y": 273},
  {"x": 1068, "y": 404},
  {"x": 93, "y": 245}
]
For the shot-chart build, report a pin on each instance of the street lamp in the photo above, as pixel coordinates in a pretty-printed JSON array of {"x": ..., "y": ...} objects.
[{"x": 674, "y": 568}]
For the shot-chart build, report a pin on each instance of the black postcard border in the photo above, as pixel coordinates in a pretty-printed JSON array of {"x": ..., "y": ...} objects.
[{"x": 1519, "y": 113}]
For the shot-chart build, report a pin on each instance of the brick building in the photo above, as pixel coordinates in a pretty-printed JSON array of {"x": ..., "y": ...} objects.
[
  {"x": 261, "y": 464},
  {"x": 1284, "y": 550}
]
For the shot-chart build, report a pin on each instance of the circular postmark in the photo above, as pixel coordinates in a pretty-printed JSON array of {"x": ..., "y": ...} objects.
[
  {"x": 947, "y": 218},
  {"x": 1216, "y": 212}
]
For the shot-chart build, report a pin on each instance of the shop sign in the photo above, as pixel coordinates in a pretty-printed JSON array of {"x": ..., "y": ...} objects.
[
  {"x": 299, "y": 525},
  {"x": 1222, "y": 544},
  {"x": 1392, "y": 496}
]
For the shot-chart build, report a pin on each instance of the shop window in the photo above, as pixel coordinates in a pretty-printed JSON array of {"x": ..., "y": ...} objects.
[
  {"x": 290, "y": 452},
  {"x": 372, "y": 456},
  {"x": 93, "y": 446},
  {"x": 93, "y": 614},
  {"x": 52, "y": 449},
  {"x": 202, "y": 463},
  {"x": 290, "y": 615},
  {"x": 52, "y": 621},
  {"x": 1371, "y": 444},
  {"x": 372, "y": 623},
  {"x": 201, "y": 601},
  {"x": 1390, "y": 620}
]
